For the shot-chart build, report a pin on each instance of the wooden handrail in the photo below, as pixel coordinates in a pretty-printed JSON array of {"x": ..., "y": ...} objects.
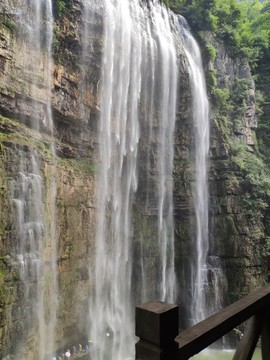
[
  {"x": 203, "y": 334},
  {"x": 193, "y": 340}
]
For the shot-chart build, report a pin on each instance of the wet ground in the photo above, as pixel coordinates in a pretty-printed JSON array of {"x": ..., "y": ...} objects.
[{"x": 222, "y": 355}]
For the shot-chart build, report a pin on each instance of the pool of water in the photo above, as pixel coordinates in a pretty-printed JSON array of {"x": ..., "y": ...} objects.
[{"x": 222, "y": 355}]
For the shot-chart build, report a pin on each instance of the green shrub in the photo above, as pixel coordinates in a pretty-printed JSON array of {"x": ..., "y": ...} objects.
[
  {"x": 212, "y": 52},
  {"x": 61, "y": 7}
]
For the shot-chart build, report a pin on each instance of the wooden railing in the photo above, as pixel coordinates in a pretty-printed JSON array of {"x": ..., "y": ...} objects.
[{"x": 157, "y": 328}]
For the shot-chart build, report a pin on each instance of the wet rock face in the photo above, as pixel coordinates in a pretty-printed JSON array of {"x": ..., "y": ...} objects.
[
  {"x": 74, "y": 234},
  {"x": 235, "y": 75},
  {"x": 236, "y": 217},
  {"x": 24, "y": 89},
  {"x": 236, "y": 234}
]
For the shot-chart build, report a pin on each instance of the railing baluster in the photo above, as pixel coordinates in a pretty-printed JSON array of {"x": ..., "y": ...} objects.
[
  {"x": 249, "y": 341},
  {"x": 266, "y": 338}
]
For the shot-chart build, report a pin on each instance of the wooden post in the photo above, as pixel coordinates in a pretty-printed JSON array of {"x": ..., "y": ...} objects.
[
  {"x": 157, "y": 327},
  {"x": 249, "y": 341},
  {"x": 266, "y": 338}
]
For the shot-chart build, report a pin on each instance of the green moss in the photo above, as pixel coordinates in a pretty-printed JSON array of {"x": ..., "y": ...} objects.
[
  {"x": 82, "y": 165},
  {"x": 19, "y": 134},
  {"x": 8, "y": 23},
  {"x": 254, "y": 181},
  {"x": 223, "y": 126},
  {"x": 3, "y": 290},
  {"x": 61, "y": 8},
  {"x": 66, "y": 43},
  {"x": 212, "y": 52},
  {"x": 212, "y": 79},
  {"x": 20, "y": 139},
  {"x": 239, "y": 92}
]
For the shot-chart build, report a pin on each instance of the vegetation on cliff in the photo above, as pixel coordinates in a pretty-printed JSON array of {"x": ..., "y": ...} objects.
[
  {"x": 244, "y": 25},
  {"x": 235, "y": 39},
  {"x": 239, "y": 171},
  {"x": 66, "y": 42}
]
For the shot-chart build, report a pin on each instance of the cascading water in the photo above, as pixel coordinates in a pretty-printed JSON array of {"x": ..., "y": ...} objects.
[
  {"x": 136, "y": 37},
  {"x": 201, "y": 125},
  {"x": 49, "y": 282},
  {"x": 36, "y": 240},
  {"x": 205, "y": 284},
  {"x": 119, "y": 134},
  {"x": 138, "y": 90},
  {"x": 168, "y": 72}
]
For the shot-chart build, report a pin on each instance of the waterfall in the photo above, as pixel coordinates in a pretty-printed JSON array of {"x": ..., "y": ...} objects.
[
  {"x": 49, "y": 283},
  {"x": 111, "y": 308},
  {"x": 36, "y": 240},
  {"x": 166, "y": 99},
  {"x": 137, "y": 39},
  {"x": 137, "y": 96},
  {"x": 200, "y": 112},
  {"x": 201, "y": 124}
]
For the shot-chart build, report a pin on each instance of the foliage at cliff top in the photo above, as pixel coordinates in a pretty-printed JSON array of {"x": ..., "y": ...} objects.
[{"x": 243, "y": 25}]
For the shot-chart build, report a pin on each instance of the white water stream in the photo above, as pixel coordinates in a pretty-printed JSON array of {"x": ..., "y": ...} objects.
[
  {"x": 138, "y": 86},
  {"x": 207, "y": 278},
  {"x": 111, "y": 308},
  {"x": 136, "y": 37},
  {"x": 201, "y": 125},
  {"x": 36, "y": 240},
  {"x": 167, "y": 70}
]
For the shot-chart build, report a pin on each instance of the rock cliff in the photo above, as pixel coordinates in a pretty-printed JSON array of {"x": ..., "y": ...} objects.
[
  {"x": 70, "y": 163},
  {"x": 237, "y": 195}
]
